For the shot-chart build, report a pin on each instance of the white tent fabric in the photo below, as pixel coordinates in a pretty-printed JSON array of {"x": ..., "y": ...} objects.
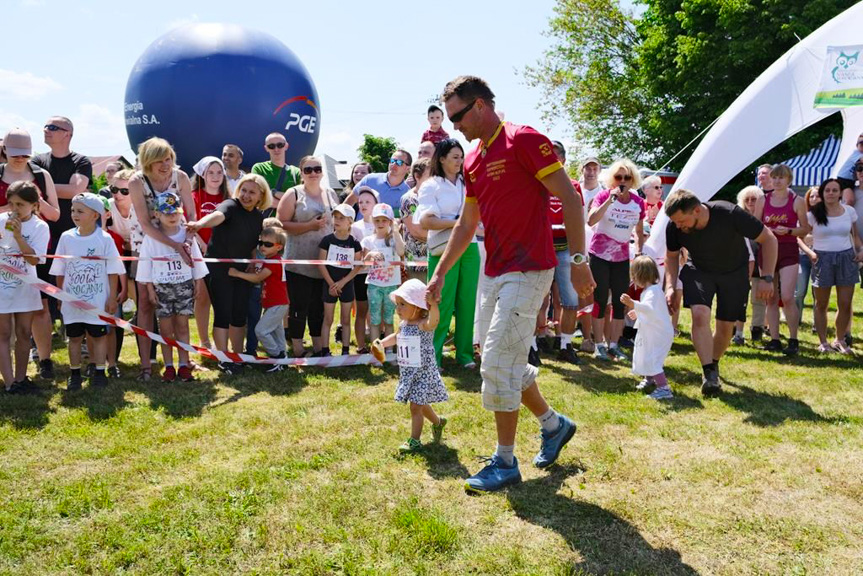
[
  {"x": 812, "y": 168},
  {"x": 773, "y": 108}
]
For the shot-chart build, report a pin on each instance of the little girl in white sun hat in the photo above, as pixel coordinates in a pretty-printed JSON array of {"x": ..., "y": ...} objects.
[{"x": 420, "y": 382}]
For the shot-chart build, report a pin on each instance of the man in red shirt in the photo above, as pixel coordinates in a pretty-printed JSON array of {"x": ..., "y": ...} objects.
[{"x": 508, "y": 178}]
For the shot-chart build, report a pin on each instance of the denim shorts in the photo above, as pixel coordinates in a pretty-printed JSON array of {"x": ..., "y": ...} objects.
[
  {"x": 562, "y": 275},
  {"x": 835, "y": 269}
]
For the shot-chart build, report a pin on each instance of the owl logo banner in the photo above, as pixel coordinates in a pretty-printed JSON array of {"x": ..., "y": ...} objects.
[{"x": 842, "y": 78}]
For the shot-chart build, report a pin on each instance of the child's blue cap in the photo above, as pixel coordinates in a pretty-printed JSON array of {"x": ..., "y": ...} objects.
[{"x": 168, "y": 203}]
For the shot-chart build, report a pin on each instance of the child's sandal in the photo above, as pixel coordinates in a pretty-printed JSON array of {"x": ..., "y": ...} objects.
[{"x": 145, "y": 375}]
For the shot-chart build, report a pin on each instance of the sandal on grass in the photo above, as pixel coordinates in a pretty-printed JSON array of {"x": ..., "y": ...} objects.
[
  {"x": 145, "y": 375},
  {"x": 840, "y": 347}
]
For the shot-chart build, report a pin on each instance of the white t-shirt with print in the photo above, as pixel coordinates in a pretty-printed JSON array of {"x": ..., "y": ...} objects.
[
  {"x": 174, "y": 271},
  {"x": 15, "y": 295},
  {"x": 86, "y": 280},
  {"x": 382, "y": 275}
]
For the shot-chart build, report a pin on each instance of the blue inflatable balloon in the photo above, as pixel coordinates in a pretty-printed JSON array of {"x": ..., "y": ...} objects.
[{"x": 202, "y": 86}]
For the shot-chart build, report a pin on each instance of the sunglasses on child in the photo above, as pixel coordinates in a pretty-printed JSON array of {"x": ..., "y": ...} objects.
[
  {"x": 623, "y": 177},
  {"x": 275, "y": 145},
  {"x": 311, "y": 169},
  {"x": 123, "y": 191},
  {"x": 266, "y": 244}
]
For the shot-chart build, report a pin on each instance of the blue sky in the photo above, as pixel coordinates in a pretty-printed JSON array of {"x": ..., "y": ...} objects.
[{"x": 74, "y": 58}]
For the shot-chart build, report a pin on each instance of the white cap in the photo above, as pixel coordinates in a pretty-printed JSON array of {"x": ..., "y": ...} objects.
[
  {"x": 383, "y": 210},
  {"x": 346, "y": 210}
]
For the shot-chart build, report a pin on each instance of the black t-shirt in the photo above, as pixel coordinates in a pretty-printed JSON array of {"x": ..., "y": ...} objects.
[
  {"x": 62, "y": 170},
  {"x": 336, "y": 272},
  {"x": 720, "y": 246},
  {"x": 237, "y": 236}
]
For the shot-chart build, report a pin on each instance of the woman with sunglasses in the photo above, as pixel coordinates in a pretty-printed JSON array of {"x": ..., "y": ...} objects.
[
  {"x": 305, "y": 212},
  {"x": 615, "y": 214},
  {"x": 18, "y": 167},
  {"x": 237, "y": 224},
  {"x": 441, "y": 200}
]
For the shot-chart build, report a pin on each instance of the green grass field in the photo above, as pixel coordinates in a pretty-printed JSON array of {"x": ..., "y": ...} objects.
[{"x": 297, "y": 473}]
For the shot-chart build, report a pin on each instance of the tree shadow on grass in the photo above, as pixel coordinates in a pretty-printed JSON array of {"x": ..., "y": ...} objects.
[
  {"x": 606, "y": 542},
  {"x": 767, "y": 409},
  {"x": 807, "y": 358},
  {"x": 442, "y": 462},
  {"x": 27, "y": 412}
]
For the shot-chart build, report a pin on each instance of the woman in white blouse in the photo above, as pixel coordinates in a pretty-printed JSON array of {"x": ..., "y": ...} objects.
[
  {"x": 838, "y": 249},
  {"x": 441, "y": 199}
]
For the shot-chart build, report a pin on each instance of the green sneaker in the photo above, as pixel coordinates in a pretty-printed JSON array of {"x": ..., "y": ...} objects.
[
  {"x": 410, "y": 445},
  {"x": 437, "y": 430}
]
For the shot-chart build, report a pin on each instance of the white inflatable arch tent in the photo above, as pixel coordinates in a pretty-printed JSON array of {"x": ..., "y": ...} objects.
[{"x": 779, "y": 104}]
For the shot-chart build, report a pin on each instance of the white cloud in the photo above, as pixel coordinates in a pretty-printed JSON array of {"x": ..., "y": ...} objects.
[
  {"x": 99, "y": 131},
  {"x": 177, "y": 22},
  {"x": 25, "y": 86}
]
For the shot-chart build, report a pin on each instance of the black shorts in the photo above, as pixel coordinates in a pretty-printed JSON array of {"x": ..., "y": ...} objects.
[
  {"x": 77, "y": 329},
  {"x": 731, "y": 290},
  {"x": 346, "y": 296},
  {"x": 361, "y": 290}
]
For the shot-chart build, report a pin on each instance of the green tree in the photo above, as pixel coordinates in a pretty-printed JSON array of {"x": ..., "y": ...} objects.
[
  {"x": 645, "y": 85},
  {"x": 377, "y": 150}
]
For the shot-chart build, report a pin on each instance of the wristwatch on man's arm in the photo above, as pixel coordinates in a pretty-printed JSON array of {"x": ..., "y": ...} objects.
[{"x": 578, "y": 259}]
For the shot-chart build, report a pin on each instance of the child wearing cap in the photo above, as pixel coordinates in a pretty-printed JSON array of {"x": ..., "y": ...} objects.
[
  {"x": 420, "y": 382},
  {"x": 92, "y": 281},
  {"x": 385, "y": 244},
  {"x": 339, "y": 246},
  {"x": 170, "y": 282}
]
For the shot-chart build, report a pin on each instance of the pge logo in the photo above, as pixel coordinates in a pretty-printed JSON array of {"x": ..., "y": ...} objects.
[{"x": 304, "y": 123}]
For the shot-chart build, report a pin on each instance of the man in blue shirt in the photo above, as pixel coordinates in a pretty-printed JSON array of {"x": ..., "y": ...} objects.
[{"x": 389, "y": 185}]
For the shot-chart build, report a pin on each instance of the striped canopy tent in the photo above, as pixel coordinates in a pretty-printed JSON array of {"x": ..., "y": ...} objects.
[{"x": 815, "y": 166}]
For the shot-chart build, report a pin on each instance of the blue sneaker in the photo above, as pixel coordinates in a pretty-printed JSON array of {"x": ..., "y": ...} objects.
[
  {"x": 493, "y": 477},
  {"x": 553, "y": 442}
]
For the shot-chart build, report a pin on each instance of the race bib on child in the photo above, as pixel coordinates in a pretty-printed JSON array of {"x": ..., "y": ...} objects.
[
  {"x": 409, "y": 351},
  {"x": 172, "y": 271},
  {"x": 340, "y": 254}
]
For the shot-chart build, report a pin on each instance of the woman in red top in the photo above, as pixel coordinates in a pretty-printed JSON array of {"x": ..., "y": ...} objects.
[
  {"x": 210, "y": 188},
  {"x": 784, "y": 213}
]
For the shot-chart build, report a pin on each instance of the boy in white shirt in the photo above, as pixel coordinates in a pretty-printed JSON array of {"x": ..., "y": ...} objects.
[
  {"x": 171, "y": 283},
  {"x": 93, "y": 281}
]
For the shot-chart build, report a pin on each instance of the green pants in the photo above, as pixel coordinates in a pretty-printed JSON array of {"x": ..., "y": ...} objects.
[{"x": 458, "y": 297}]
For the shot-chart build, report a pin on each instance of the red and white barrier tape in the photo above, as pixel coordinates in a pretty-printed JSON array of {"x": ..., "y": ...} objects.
[
  {"x": 219, "y": 355},
  {"x": 235, "y": 260}
]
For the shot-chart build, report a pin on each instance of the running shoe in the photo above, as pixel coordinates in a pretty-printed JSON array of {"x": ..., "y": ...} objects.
[
  {"x": 601, "y": 353},
  {"x": 737, "y": 340},
  {"x": 46, "y": 369},
  {"x": 410, "y": 445},
  {"x": 494, "y": 476},
  {"x": 646, "y": 386},
  {"x": 169, "y": 375},
  {"x": 553, "y": 442},
  {"x": 74, "y": 382},
  {"x": 185, "y": 374},
  {"x": 616, "y": 353},
  {"x": 775, "y": 345},
  {"x": 663, "y": 393},
  {"x": 568, "y": 354}
]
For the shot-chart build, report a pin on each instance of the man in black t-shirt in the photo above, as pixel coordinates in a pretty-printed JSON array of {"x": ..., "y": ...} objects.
[
  {"x": 713, "y": 233},
  {"x": 72, "y": 173}
]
